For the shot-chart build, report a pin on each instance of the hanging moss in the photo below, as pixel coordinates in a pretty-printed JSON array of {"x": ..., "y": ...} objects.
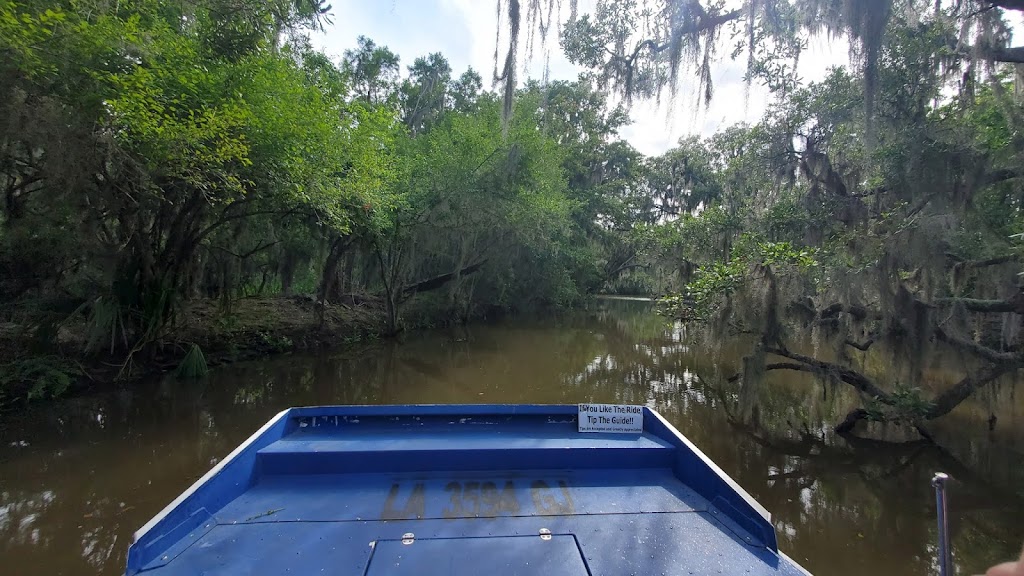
[
  {"x": 865, "y": 22},
  {"x": 753, "y": 375},
  {"x": 540, "y": 14},
  {"x": 641, "y": 52}
]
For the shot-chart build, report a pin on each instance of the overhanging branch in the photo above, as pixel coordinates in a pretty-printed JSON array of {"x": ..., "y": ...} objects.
[
  {"x": 697, "y": 26},
  {"x": 973, "y": 347},
  {"x": 996, "y": 261},
  {"x": 952, "y": 398},
  {"x": 780, "y": 366},
  {"x": 438, "y": 281},
  {"x": 1011, "y": 55},
  {"x": 1015, "y": 304},
  {"x": 858, "y": 312},
  {"x": 1007, "y": 4},
  {"x": 859, "y": 381}
]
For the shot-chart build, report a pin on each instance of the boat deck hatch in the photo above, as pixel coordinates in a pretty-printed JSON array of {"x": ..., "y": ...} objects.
[{"x": 504, "y": 555}]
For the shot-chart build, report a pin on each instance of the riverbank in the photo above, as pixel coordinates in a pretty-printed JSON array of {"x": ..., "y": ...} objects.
[{"x": 246, "y": 329}]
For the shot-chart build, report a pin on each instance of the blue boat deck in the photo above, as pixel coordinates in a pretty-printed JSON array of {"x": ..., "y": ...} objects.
[{"x": 374, "y": 491}]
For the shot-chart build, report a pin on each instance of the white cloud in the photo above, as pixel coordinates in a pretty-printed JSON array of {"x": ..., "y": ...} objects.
[{"x": 410, "y": 28}]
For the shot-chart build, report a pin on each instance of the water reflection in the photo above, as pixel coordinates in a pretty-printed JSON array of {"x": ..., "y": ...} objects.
[{"x": 77, "y": 478}]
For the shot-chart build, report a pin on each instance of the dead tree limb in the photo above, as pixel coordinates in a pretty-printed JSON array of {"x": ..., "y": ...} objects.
[{"x": 439, "y": 281}]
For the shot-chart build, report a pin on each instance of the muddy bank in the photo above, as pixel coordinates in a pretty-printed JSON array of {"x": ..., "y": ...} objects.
[{"x": 246, "y": 329}]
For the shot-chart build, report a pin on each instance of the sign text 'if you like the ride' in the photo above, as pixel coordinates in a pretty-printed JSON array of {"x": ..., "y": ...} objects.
[{"x": 612, "y": 418}]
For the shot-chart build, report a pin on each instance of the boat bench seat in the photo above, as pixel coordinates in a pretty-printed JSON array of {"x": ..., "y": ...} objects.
[{"x": 374, "y": 451}]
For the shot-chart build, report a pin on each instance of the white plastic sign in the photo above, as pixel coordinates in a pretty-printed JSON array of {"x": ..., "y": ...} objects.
[{"x": 611, "y": 418}]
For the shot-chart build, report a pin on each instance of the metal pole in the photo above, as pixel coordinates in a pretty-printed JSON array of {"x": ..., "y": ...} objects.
[{"x": 945, "y": 554}]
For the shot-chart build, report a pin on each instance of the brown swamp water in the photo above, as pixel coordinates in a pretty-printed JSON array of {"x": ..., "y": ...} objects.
[{"x": 79, "y": 476}]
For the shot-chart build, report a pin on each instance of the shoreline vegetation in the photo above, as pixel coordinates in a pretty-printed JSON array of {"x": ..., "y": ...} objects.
[
  {"x": 166, "y": 168},
  {"x": 205, "y": 335}
]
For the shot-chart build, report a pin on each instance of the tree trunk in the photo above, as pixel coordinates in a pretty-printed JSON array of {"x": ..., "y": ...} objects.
[
  {"x": 329, "y": 278},
  {"x": 348, "y": 282},
  {"x": 390, "y": 269},
  {"x": 391, "y": 310},
  {"x": 286, "y": 269}
]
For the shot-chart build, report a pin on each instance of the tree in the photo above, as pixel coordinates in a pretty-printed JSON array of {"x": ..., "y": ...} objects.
[
  {"x": 373, "y": 71},
  {"x": 782, "y": 217},
  {"x": 425, "y": 93},
  {"x": 603, "y": 175},
  {"x": 156, "y": 134},
  {"x": 466, "y": 90},
  {"x": 470, "y": 201},
  {"x": 867, "y": 245},
  {"x": 640, "y": 49}
]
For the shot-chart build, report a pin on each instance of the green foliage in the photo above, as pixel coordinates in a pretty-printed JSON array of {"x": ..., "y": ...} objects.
[
  {"x": 161, "y": 152},
  {"x": 276, "y": 343},
  {"x": 717, "y": 280},
  {"x": 106, "y": 326},
  {"x": 702, "y": 297},
  {"x": 155, "y": 152},
  {"x": 778, "y": 255},
  {"x": 146, "y": 141},
  {"x": 37, "y": 377},
  {"x": 193, "y": 365},
  {"x": 906, "y": 405},
  {"x": 23, "y": 34}
]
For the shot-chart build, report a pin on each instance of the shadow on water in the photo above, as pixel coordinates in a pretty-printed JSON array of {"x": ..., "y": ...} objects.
[{"x": 78, "y": 477}]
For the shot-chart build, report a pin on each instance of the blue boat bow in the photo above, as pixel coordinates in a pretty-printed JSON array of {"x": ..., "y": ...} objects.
[{"x": 497, "y": 490}]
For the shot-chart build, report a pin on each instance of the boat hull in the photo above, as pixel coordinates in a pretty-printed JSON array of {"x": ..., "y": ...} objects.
[{"x": 460, "y": 490}]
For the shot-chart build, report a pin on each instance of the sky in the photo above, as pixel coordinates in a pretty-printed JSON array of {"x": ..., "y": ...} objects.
[{"x": 464, "y": 32}]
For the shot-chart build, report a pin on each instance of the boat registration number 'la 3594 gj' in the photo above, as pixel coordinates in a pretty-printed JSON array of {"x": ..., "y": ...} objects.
[
  {"x": 611, "y": 418},
  {"x": 478, "y": 499}
]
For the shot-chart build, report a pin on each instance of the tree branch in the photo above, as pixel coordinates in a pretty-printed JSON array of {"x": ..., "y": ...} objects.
[
  {"x": 859, "y": 381},
  {"x": 438, "y": 281},
  {"x": 862, "y": 346},
  {"x": 246, "y": 255},
  {"x": 846, "y": 426},
  {"x": 1000, "y": 176},
  {"x": 1008, "y": 4},
  {"x": 978, "y": 350},
  {"x": 995, "y": 261},
  {"x": 779, "y": 366},
  {"x": 705, "y": 22},
  {"x": 1013, "y": 55},
  {"x": 1015, "y": 304},
  {"x": 224, "y": 219},
  {"x": 952, "y": 398},
  {"x": 858, "y": 312}
]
